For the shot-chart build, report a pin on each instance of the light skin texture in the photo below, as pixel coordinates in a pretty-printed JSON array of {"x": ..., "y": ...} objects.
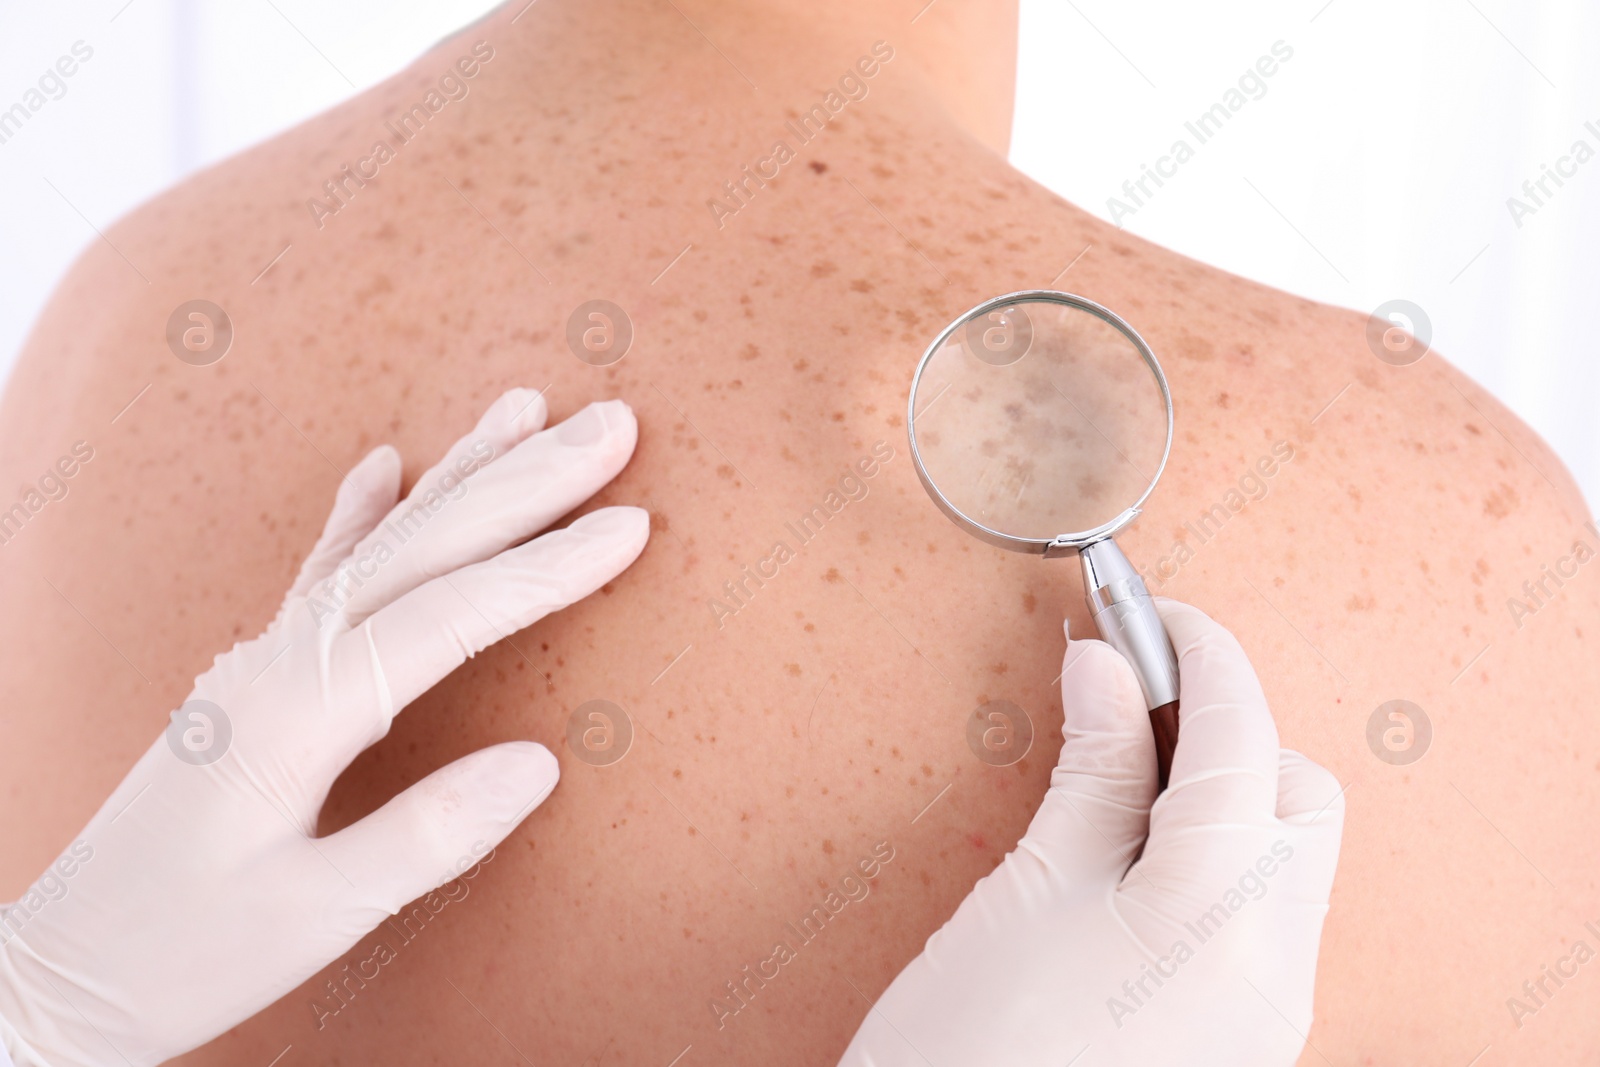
[{"x": 828, "y": 714}]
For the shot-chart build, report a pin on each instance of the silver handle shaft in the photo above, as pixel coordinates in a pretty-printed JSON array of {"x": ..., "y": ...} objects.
[{"x": 1125, "y": 616}]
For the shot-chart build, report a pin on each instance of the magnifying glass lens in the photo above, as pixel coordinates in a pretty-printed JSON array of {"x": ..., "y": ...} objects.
[{"x": 1039, "y": 419}]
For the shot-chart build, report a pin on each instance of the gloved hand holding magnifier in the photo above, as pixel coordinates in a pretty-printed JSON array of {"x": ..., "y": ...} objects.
[{"x": 1040, "y": 422}]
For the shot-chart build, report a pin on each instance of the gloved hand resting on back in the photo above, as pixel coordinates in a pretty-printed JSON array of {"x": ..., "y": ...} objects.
[
  {"x": 198, "y": 893},
  {"x": 1080, "y": 950}
]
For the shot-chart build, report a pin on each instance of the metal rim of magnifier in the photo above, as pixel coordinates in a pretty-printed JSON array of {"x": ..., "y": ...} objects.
[{"x": 1065, "y": 543}]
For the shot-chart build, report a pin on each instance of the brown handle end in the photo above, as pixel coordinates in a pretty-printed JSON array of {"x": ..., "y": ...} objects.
[{"x": 1164, "y": 722}]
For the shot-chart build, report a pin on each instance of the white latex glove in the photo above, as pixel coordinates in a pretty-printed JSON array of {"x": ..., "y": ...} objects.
[
  {"x": 1069, "y": 951},
  {"x": 199, "y": 893}
]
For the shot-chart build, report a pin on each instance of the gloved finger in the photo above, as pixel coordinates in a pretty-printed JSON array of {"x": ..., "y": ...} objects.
[
  {"x": 1282, "y": 895},
  {"x": 365, "y": 495},
  {"x": 1225, "y": 768},
  {"x": 515, "y": 415},
  {"x": 1308, "y": 794},
  {"x": 1311, "y": 807},
  {"x": 446, "y": 525},
  {"x": 436, "y": 627},
  {"x": 440, "y": 827},
  {"x": 512, "y": 417},
  {"x": 1096, "y": 814}
]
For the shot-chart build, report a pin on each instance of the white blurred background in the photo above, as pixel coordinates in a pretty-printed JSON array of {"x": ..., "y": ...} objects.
[{"x": 1377, "y": 166}]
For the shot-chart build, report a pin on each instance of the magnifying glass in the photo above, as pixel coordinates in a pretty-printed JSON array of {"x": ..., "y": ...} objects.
[{"x": 1040, "y": 422}]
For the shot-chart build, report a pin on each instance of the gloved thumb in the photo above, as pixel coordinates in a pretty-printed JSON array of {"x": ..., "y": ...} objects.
[
  {"x": 1097, "y": 812},
  {"x": 440, "y": 827}
]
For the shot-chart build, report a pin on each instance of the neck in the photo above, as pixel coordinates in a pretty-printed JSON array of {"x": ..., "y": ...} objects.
[{"x": 961, "y": 56}]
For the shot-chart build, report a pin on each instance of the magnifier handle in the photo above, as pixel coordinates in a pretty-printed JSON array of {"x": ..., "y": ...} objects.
[
  {"x": 1126, "y": 618},
  {"x": 1164, "y": 722}
]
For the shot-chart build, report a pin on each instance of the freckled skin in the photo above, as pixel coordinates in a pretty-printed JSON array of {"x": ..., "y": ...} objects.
[{"x": 1384, "y": 553}]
